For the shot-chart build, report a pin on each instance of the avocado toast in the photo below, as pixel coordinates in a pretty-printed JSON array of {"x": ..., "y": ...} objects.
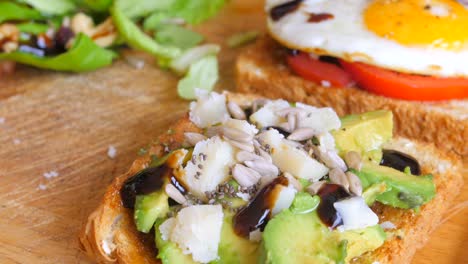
[{"x": 284, "y": 207}]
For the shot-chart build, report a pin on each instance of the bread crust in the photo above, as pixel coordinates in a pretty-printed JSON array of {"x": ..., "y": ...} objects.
[
  {"x": 261, "y": 69},
  {"x": 110, "y": 236}
]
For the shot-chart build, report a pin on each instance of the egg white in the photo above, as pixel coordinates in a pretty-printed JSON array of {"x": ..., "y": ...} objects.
[{"x": 346, "y": 36}]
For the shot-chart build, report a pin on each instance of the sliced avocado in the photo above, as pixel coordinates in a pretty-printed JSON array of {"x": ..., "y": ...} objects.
[
  {"x": 403, "y": 190},
  {"x": 373, "y": 191},
  {"x": 150, "y": 207},
  {"x": 364, "y": 240},
  {"x": 364, "y": 133},
  {"x": 234, "y": 249},
  {"x": 304, "y": 203},
  {"x": 300, "y": 238},
  {"x": 169, "y": 252}
]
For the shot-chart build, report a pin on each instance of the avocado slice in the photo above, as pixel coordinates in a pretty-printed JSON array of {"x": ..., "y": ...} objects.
[
  {"x": 300, "y": 238},
  {"x": 402, "y": 190},
  {"x": 364, "y": 133},
  {"x": 150, "y": 207},
  {"x": 363, "y": 240},
  {"x": 169, "y": 252},
  {"x": 233, "y": 249}
]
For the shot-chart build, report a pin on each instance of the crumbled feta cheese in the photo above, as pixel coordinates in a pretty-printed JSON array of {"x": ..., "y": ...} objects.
[
  {"x": 283, "y": 200},
  {"x": 327, "y": 141},
  {"x": 209, "y": 166},
  {"x": 196, "y": 230},
  {"x": 111, "y": 152},
  {"x": 208, "y": 110},
  {"x": 321, "y": 120},
  {"x": 355, "y": 214},
  {"x": 50, "y": 174},
  {"x": 241, "y": 125},
  {"x": 267, "y": 115},
  {"x": 243, "y": 196}
]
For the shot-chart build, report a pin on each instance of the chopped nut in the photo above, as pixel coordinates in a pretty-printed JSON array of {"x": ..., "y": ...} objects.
[
  {"x": 103, "y": 34},
  {"x": 9, "y": 36}
]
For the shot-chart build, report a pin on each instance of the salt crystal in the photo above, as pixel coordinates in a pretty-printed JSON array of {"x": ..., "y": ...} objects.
[
  {"x": 16, "y": 141},
  {"x": 387, "y": 225},
  {"x": 2, "y": 120},
  {"x": 112, "y": 152},
  {"x": 42, "y": 187},
  {"x": 325, "y": 83}
]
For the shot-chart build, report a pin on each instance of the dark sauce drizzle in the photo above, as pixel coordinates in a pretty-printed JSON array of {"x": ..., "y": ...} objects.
[
  {"x": 319, "y": 17},
  {"x": 277, "y": 12},
  {"x": 399, "y": 161},
  {"x": 329, "y": 194},
  {"x": 257, "y": 213},
  {"x": 43, "y": 45},
  {"x": 144, "y": 182}
]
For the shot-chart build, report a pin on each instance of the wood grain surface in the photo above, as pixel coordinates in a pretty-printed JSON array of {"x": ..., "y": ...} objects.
[{"x": 65, "y": 123}]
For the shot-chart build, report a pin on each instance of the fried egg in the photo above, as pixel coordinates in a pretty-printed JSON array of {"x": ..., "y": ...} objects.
[{"x": 428, "y": 37}]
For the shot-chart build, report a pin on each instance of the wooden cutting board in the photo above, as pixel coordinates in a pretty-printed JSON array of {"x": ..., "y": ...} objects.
[{"x": 56, "y": 130}]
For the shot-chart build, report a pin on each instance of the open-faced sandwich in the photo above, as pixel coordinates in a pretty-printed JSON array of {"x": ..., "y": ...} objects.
[
  {"x": 363, "y": 55},
  {"x": 242, "y": 179}
]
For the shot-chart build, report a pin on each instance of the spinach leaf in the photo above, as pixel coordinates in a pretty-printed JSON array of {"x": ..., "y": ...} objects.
[
  {"x": 137, "y": 39},
  {"x": 141, "y": 8},
  {"x": 12, "y": 11},
  {"x": 33, "y": 28},
  {"x": 85, "y": 55},
  {"x": 95, "y": 5}
]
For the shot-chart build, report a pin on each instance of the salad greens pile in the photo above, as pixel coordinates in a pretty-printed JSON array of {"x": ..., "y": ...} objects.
[{"x": 83, "y": 35}]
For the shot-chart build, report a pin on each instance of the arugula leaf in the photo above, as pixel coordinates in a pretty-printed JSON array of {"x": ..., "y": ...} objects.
[
  {"x": 12, "y": 11},
  {"x": 33, "y": 28},
  {"x": 52, "y": 7},
  {"x": 85, "y": 55},
  {"x": 177, "y": 36},
  {"x": 153, "y": 21},
  {"x": 202, "y": 74},
  {"x": 95, "y": 5},
  {"x": 137, "y": 39},
  {"x": 195, "y": 12}
]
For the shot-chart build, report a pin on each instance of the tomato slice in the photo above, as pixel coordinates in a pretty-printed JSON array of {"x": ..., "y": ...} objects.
[
  {"x": 317, "y": 71},
  {"x": 406, "y": 86}
]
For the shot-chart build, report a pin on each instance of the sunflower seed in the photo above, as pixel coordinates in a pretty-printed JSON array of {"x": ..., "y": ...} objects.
[
  {"x": 353, "y": 160},
  {"x": 236, "y": 111},
  {"x": 301, "y": 134},
  {"x": 292, "y": 122},
  {"x": 355, "y": 185},
  {"x": 299, "y": 117},
  {"x": 337, "y": 176},
  {"x": 293, "y": 181},
  {"x": 315, "y": 187},
  {"x": 263, "y": 167},
  {"x": 175, "y": 194},
  {"x": 289, "y": 110},
  {"x": 241, "y": 145},
  {"x": 236, "y": 134},
  {"x": 193, "y": 138},
  {"x": 244, "y": 156},
  {"x": 261, "y": 152},
  {"x": 258, "y": 103},
  {"x": 330, "y": 158},
  {"x": 246, "y": 177},
  {"x": 285, "y": 126}
]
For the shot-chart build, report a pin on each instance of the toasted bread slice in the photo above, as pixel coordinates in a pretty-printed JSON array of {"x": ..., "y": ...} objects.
[
  {"x": 261, "y": 69},
  {"x": 110, "y": 235}
]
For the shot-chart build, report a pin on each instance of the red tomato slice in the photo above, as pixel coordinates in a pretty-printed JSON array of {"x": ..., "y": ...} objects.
[
  {"x": 406, "y": 86},
  {"x": 318, "y": 71}
]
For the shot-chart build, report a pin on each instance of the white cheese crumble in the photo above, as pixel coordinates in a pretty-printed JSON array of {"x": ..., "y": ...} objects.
[
  {"x": 208, "y": 110},
  {"x": 50, "y": 174},
  {"x": 267, "y": 115},
  {"x": 355, "y": 214},
  {"x": 196, "y": 230},
  {"x": 111, "y": 152}
]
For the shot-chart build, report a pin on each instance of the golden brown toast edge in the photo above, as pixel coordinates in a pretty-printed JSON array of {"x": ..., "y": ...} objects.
[
  {"x": 260, "y": 69},
  {"x": 110, "y": 221}
]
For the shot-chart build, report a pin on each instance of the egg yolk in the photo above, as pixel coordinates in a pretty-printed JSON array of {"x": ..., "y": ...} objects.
[{"x": 435, "y": 23}]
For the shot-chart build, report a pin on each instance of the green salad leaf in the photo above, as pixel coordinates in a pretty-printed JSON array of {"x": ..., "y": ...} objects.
[
  {"x": 202, "y": 74},
  {"x": 242, "y": 38},
  {"x": 84, "y": 55},
  {"x": 177, "y": 36},
  {"x": 156, "y": 19},
  {"x": 12, "y": 11},
  {"x": 194, "y": 12},
  {"x": 142, "y": 8},
  {"x": 137, "y": 39},
  {"x": 95, "y": 5},
  {"x": 52, "y": 7},
  {"x": 32, "y": 28}
]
